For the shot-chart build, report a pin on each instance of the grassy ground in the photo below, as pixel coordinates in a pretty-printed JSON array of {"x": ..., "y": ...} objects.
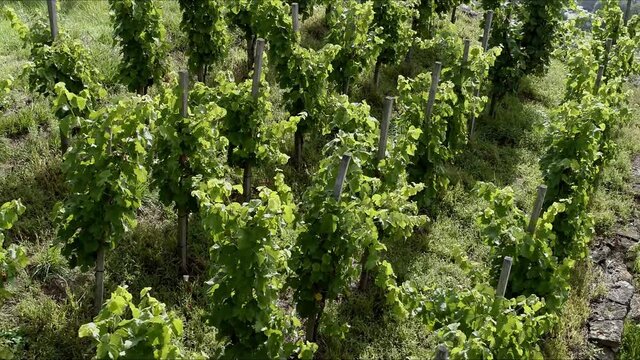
[{"x": 52, "y": 300}]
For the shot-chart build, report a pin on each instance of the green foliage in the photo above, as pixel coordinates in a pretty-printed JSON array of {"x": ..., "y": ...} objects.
[
  {"x": 393, "y": 17},
  {"x": 254, "y": 136},
  {"x": 360, "y": 42},
  {"x": 251, "y": 253},
  {"x": 579, "y": 145},
  {"x": 105, "y": 171},
  {"x": 467, "y": 78},
  {"x": 535, "y": 269},
  {"x": 186, "y": 147},
  {"x": 507, "y": 32},
  {"x": 14, "y": 258},
  {"x": 73, "y": 108},
  {"x": 125, "y": 330},
  {"x": 432, "y": 153},
  {"x": 308, "y": 86},
  {"x": 630, "y": 342},
  {"x": 474, "y": 324},
  {"x": 5, "y": 88},
  {"x": 206, "y": 29},
  {"x": 63, "y": 60},
  {"x": 540, "y": 25},
  {"x": 139, "y": 32}
]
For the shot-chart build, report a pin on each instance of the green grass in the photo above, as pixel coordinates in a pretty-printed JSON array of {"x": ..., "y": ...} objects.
[{"x": 51, "y": 300}]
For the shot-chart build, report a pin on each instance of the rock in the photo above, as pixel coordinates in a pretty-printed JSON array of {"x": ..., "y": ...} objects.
[
  {"x": 608, "y": 310},
  {"x": 600, "y": 254},
  {"x": 621, "y": 292},
  {"x": 616, "y": 270},
  {"x": 634, "y": 308},
  {"x": 607, "y": 332},
  {"x": 604, "y": 353}
]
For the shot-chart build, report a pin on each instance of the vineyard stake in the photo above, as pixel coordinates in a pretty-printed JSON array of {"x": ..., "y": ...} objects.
[
  {"x": 342, "y": 174},
  {"x": 255, "y": 92},
  {"x": 442, "y": 353},
  {"x": 435, "y": 81},
  {"x": 465, "y": 53},
  {"x": 488, "y": 20},
  {"x": 607, "y": 50},
  {"x": 183, "y": 214},
  {"x": 599, "y": 79},
  {"x": 53, "y": 18},
  {"x": 627, "y": 13},
  {"x": 53, "y": 26},
  {"x": 295, "y": 15},
  {"x": 537, "y": 208},
  {"x": 504, "y": 276},
  {"x": 382, "y": 150},
  {"x": 99, "y": 293},
  {"x": 384, "y": 127}
]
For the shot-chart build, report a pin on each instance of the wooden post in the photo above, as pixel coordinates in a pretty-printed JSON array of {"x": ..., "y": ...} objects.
[
  {"x": 607, "y": 50},
  {"x": 295, "y": 15},
  {"x": 454, "y": 16},
  {"x": 537, "y": 209},
  {"x": 53, "y": 26},
  {"x": 627, "y": 13},
  {"x": 488, "y": 19},
  {"x": 599, "y": 79},
  {"x": 442, "y": 353},
  {"x": 384, "y": 127},
  {"x": 255, "y": 92},
  {"x": 504, "y": 276},
  {"x": 342, "y": 174},
  {"x": 382, "y": 151},
  {"x": 183, "y": 214},
  {"x": 53, "y": 18},
  {"x": 435, "y": 81},
  {"x": 99, "y": 292},
  {"x": 465, "y": 53}
]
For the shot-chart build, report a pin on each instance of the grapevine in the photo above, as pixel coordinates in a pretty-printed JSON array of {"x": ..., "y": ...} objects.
[
  {"x": 14, "y": 257},
  {"x": 139, "y": 32},
  {"x": 360, "y": 44},
  {"x": 124, "y": 329},
  {"x": 204, "y": 23},
  {"x": 244, "y": 303}
]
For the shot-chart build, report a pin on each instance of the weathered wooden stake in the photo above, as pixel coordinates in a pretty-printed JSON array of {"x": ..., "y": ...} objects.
[
  {"x": 504, "y": 276},
  {"x": 295, "y": 15},
  {"x": 255, "y": 92},
  {"x": 382, "y": 151},
  {"x": 465, "y": 53},
  {"x": 384, "y": 127},
  {"x": 607, "y": 51},
  {"x": 183, "y": 214},
  {"x": 627, "y": 13},
  {"x": 537, "y": 209},
  {"x": 435, "y": 81},
  {"x": 442, "y": 353},
  {"x": 99, "y": 293},
  {"x": 53, "y": 26},
  {"x": 488, "y": 19},
  {"x": 342, "y": 174},
  {"x": 599, "y": 79},
  {"x": 53, "y": 18}
]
